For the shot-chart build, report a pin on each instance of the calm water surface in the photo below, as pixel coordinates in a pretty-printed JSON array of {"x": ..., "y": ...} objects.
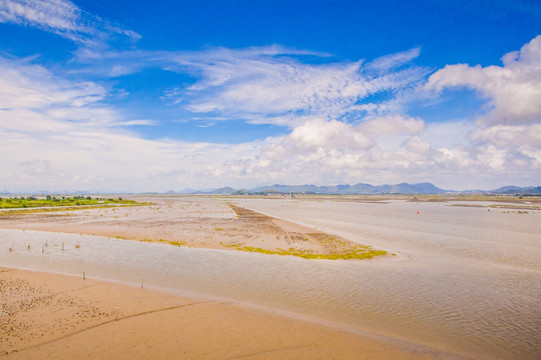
[{"x": 465, "y": 280}]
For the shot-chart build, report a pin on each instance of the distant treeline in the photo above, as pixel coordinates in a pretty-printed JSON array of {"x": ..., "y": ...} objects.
[{"x": 49, "y": 200}]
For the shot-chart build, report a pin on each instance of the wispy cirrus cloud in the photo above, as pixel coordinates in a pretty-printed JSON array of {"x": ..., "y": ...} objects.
[
  {"x": 63, "y": 18},
  {"x": 273, "y": 85},
  {"x": 391, "y": 61}
]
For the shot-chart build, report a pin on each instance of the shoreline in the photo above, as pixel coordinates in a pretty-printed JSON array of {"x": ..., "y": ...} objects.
[{"x": 67, "y": 317}]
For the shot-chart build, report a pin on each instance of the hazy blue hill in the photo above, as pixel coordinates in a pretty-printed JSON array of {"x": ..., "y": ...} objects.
[
  {"x": 506, "y": 189},
  {"x": 509, "y": 190},
  {"x": 346, "y": 189},
  {"x": 287, "y": 189},
  {"x": 364, "y": 189},
  {"x": 187, "y": 191},
  {"x": 405, "y": 188},
  {"x": 221, "y": 191}
]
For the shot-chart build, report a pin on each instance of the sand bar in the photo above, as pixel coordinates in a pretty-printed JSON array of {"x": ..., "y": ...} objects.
[{"x": 195, "y": 222}]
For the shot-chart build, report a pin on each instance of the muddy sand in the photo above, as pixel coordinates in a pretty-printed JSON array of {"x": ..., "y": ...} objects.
[{"x": 194, "y": 222}]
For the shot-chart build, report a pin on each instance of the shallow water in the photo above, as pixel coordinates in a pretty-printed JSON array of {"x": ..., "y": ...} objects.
[{"x": 464, "y": 280}]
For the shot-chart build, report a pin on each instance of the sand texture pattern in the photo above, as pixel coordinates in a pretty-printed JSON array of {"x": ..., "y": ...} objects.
[{"x": 61, "y": 317}]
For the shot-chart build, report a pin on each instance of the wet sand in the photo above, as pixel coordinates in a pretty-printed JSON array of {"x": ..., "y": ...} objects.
[{"x": 45, "y": 315}]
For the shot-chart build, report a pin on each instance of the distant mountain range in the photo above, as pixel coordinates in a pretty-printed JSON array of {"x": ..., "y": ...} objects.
[
  {"x": 530, "y": 190},
  {"x": 360, "y": 189},
  {"x": 357, "y": 189}
]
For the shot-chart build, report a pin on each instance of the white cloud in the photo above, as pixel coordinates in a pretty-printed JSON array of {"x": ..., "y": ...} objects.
[
  {"x": 57, "y": 15},
  {"x": 392, "y": 124},
  {"x": 332, "y": 134},
  {"x": 274, "y": 87},
  {"x": 272, "y": 84},
  {"x": 347, "y": 119},
  {"x": 139, "y": 122},
  {"x": 508, "y": 137},
  {"x": 493, "y": 157},
  {"x": 387, "y": 62},
  {"x": 512, "y": 89},
  {"x": 58, "y": 135},
  {"x": 61, "y": 17},
  {"x": 324, "y": 151}
]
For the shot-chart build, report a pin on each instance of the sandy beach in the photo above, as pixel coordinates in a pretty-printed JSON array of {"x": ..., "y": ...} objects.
[{"x": 45, "y": 315}]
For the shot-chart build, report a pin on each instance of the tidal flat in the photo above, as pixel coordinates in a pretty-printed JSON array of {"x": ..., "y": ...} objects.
[{"x": 465, "y": 281}]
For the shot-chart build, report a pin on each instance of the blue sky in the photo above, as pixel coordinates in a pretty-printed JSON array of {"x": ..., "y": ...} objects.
[{"x": 151, "y": 96}]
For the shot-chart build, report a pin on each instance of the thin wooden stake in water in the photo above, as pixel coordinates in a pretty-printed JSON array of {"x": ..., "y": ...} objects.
[
  {"x": 141, "y": 284},
  {"x": 84, "y": 276},
  {"x": 62, "y": 246}
]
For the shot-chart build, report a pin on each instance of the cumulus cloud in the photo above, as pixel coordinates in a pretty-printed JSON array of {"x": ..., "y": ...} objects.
[
  {"x": 391, "y": 124},
  {"x": 513, "y": 89},
  {"x": 61, "y": 17},
  {"x": 332, "y": 134},
  {"x": 508, "y": 136},
  {"x": 329, "y": 149}
]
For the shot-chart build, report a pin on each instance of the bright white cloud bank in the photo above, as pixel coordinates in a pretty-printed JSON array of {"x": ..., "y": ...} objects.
[
  {"x": 347, "y": 121},
  {"x": 508, "y": 137},
  {"x": 57, "y": 134}
]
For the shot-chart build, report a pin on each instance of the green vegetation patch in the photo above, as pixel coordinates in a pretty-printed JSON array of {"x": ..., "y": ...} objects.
[
  {"x": 176, "y": 243},
  {"x": 52, "y": 201},
  {"x": 357, "y": 252}
]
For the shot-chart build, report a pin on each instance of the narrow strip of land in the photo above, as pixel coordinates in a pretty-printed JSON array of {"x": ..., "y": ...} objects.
[{"x": 196, "y": 223}]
